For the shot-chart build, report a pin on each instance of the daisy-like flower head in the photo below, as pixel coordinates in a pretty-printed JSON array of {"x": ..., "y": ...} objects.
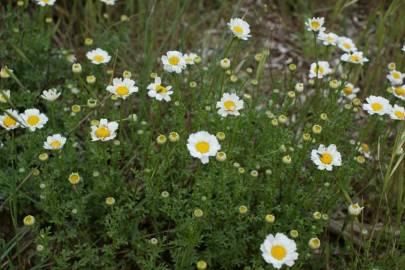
[
  {"x": 108, "y": 2},
  {"x": 326, "y": 157},
  {"x": 377, "y": 105},
  {"x": 5, "y": 72},
  {"x": 44, "y": 3},
  {"x": 54, "y": 142},
  {"x": 33, "y": 119},
  {"x": 98, "y": 56},
  {"x": 158, "y": 91},
  {"x": 122, "y": 87},
  {"x": 399, "y": 91},
  {"x": 203, "y": 145},
  {"x": 4, "y": 96},
  {"x": 354, "y": 58},
  {"x": 71, "y": 58},
  {"x": 239, "y": 28},
  {"x": 315, "y": 24},
  {"x": 190, "y": 58},
  {"x": 328, "y": 38},
  {"x": 395, "y": 77},
  {"x": 230, "y": 104},
  {"x": 346, "y": 44},
  {"x": 174, "y": 61},
  {"x": 397, "y": 113},
  {"x": 319, "y": 70},
  {"x": 9, "y": 120},
  {"x": 74, "y": 178},
  {"x": 104, "y": 131},
  {"x": 403, "y": 48},
  {"x": 279, "y": 250},
  {"x": 51, "y": 94},
  {"x": 349, "y": 91},
  {"x": 364, "y": 149},
  {"x": 355, "y": 209}
]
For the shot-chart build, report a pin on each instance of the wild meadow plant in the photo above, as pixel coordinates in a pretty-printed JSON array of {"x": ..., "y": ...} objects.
[{"x": 127, "y": 146}]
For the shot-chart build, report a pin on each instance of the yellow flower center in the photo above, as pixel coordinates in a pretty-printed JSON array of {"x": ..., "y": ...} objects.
[
  {"x": 56, "y": 144},
  {"x": 314, "y": 243},
  {"x": 347, "y": 45},
  {"x": 202, "y": 147},
  {"x": 315, "y": 25},
  {"x": 376, "y": 106},
  {"x": 400, "y": 91},
  {"x": 396, "y": 75},
  {"x": 122, "y": 90},
  {"x": 45, "y": 1},
  {"x": 278, "y": 252},
  {"x": 329, "y": 39},
  {"x": 229, "y": 105},
  {"x": 102, "y": 132},
  {"x": 9, "y": 122},
  {"x": 399, "y": 114},
  {"x": 355, "y": 58},
  {"x": 174, "y": 60},
  {"x": 326, "y": 158},
  {"x": 98, "y": 58},
  {"x": 319, "y": 70},
  {"x": 347, "y": 90},
  {"x": 237, "y": 29},
  {"x": 161, "y": 89},
  {"x": 33, "y": 120},
  {"x": 365, "y": 148},
  {"x": 74, "y": 178}
]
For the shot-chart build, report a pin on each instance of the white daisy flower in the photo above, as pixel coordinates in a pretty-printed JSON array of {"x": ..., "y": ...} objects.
[
  {"x": 315, "y": 24},
  {"x": 203, "y": 145},
  {"x": 190, "y": 58},
  {"x": 399, "y": 91},
  {"x": 239, "y": 28},
  {"x": 230, "y": 104},
  {"x": 326, "y": 157},
  {"x": 122, "y": 87},
  {"x": 328, "y": 38},
  {"x": 104, "y": 131},
  {"x": 397, "y": 113},
  {"x": 377, "y": 105},
  {"x": 51, "y": 94},
  {"x": 355, "y": 209},
  {"x": 299, "y": 87},
  {"x": 279, "y": 250},
  {"x": 71, "y": 58},
  {"x": 5, "y": 72},
  {"x": 54, "y": 142},
  {"x": 4, "y": 96},
  {"x": 98, "y": 56},
  {"x": 346, "y": 44},
  {"x": 108, "y": 2},
  {"x": 10, "y": 119},
  {"x": 403, "y": 48},
  {"x": 320, "y": 70},
  {"x": 354, "y": 58},
  {"x": 33, "y": 119},
  {"x": 349, "y": 91},
  {"x": 44, "y": 3},
  {"x": 173, "y": 61},
  {"x": 158, "y": 91},
  {"x": 395, "y": 77},
  {"x": 364, "y": 149}
]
